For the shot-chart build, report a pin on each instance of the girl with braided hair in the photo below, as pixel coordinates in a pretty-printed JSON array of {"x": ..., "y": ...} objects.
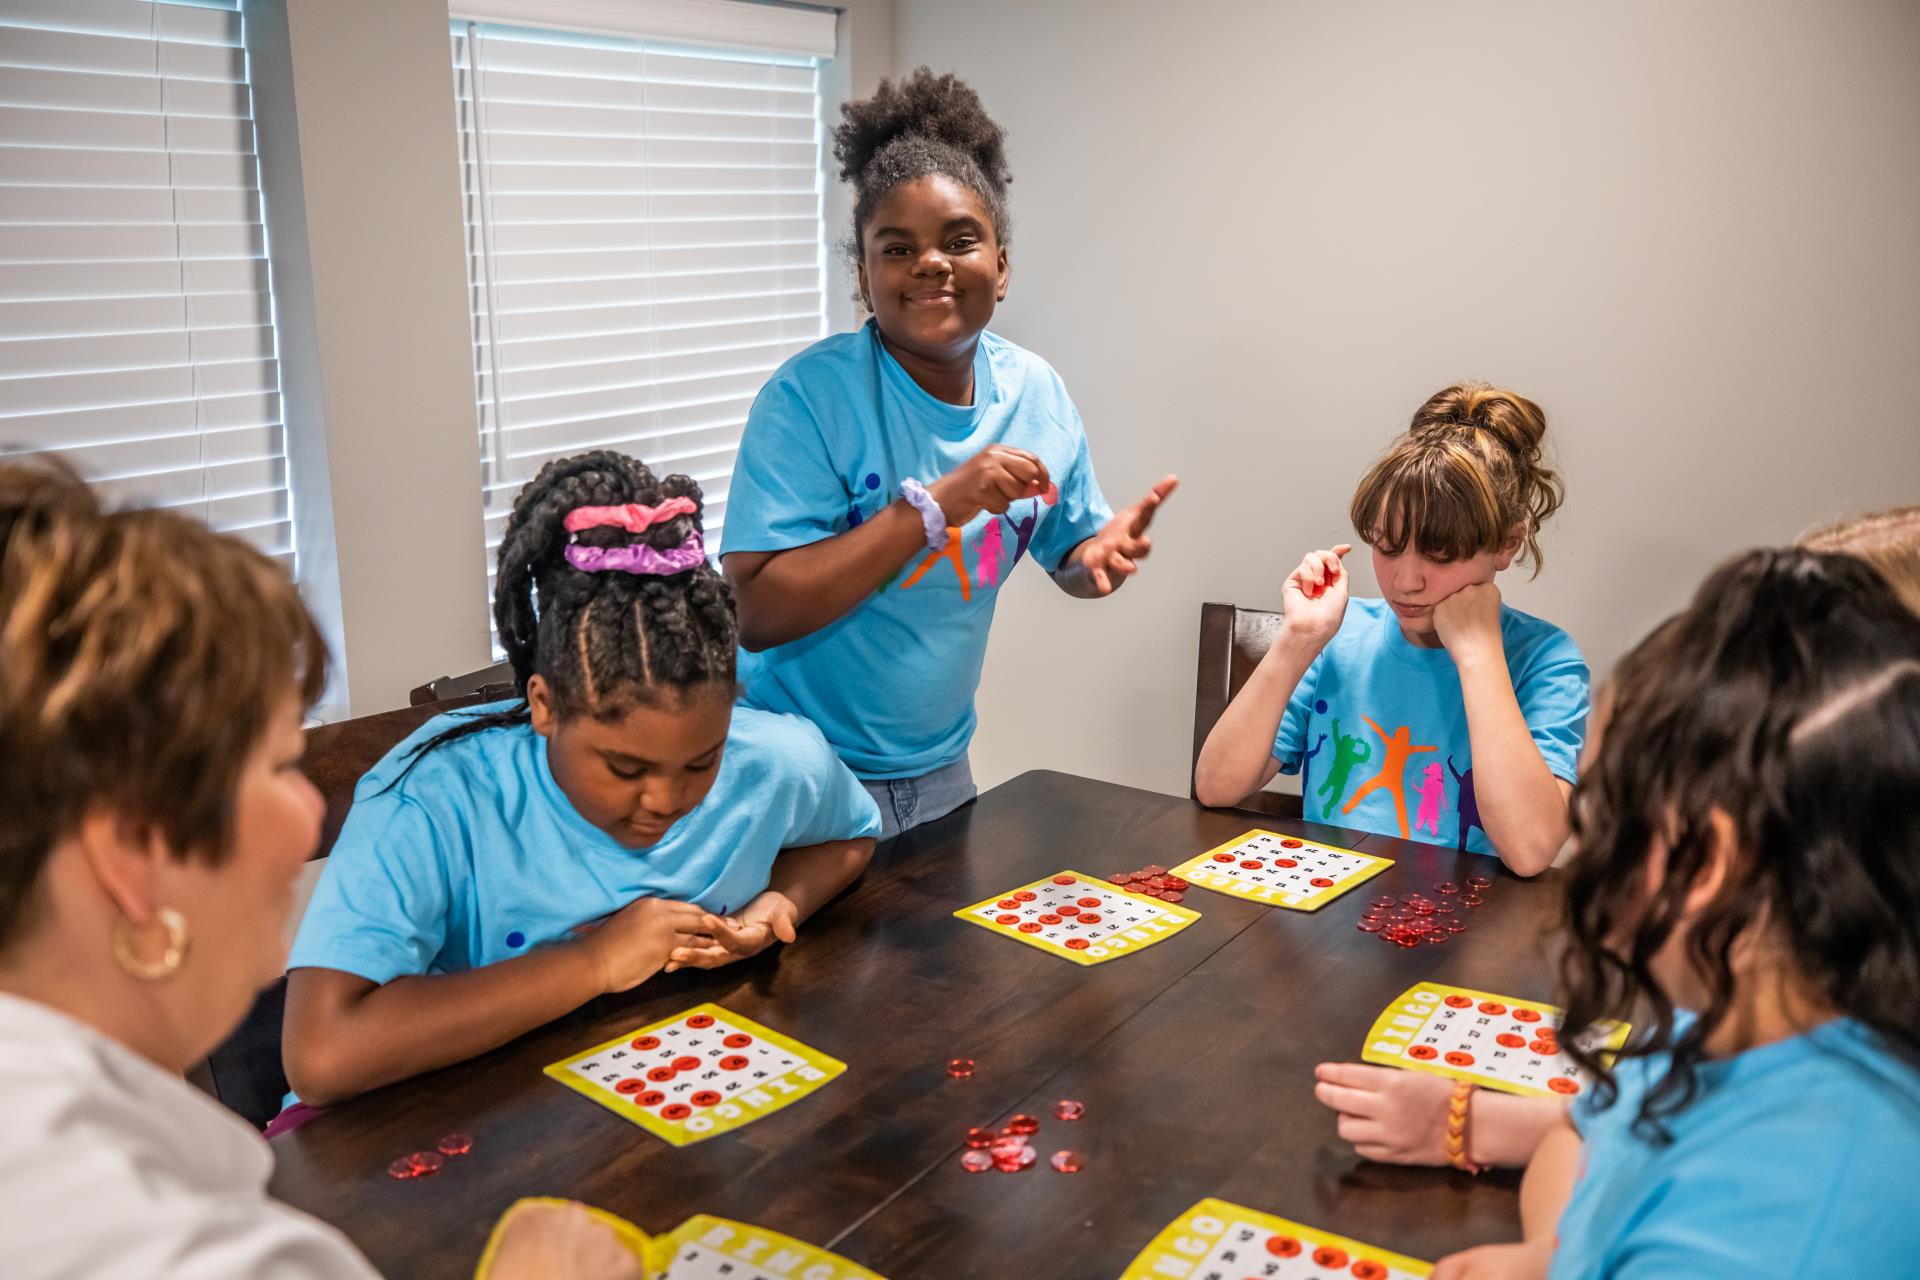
[
  {"x": 508, "y": 863},
  {"x": 890, "y": 479}
]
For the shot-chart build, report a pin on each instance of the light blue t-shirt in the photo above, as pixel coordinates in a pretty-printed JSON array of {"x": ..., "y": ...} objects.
[
  {"x": 1378, "y": 730},
  {"x": 477, "y": 856},
  {"x": 1795, "y": 1159},
  {"x": 827, "y": 444}
]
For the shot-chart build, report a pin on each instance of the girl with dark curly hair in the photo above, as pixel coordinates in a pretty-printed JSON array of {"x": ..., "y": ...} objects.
[
  {"x": 890, "y": 479},
  {"x": 1747, "y": 893},
  {"x": 622, "y": 787}
]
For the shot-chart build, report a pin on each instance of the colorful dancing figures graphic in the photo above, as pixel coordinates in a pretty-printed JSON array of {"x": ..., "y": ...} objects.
[
  {"x": 1392, "y": 775},
  {"x": 1348, "y": 751},
  {"x": 1433, "y": 799}
]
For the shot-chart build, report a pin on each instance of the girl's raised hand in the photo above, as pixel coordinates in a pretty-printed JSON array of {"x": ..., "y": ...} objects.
[
  {"x": 1397, "y": 1117},
  {"x": 1314, "y": 596},
  {"x": 1469, "y": 620},
  {"x": 991, "y": 480},
  {"x": 636, "y": 942},
  {"x": 1113, "y": 554},
  {"x": 769, "y": 918}
]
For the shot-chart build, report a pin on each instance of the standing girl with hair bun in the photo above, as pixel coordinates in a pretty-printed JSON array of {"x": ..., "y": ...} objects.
[
  {"x": 1435, "y": 713},
  {"x": 890, "y": 479},
  {"x": 508, "y": 863}
]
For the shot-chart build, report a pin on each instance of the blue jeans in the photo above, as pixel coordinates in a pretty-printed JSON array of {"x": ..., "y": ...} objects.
[{"x": 905, "y": 803}]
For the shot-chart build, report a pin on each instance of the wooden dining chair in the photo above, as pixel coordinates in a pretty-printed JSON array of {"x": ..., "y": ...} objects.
[
  {"x": 1232, "y": 642},
  {"x": 488, "y": 684},
  {"x": 244, "y": 1073}
]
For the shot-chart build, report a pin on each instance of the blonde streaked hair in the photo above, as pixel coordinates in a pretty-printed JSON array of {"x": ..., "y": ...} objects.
[
  {"x": 1887, "y": 540},
  {"x": 142, "y": 657},
  {"x": 1467, "y": 471}
]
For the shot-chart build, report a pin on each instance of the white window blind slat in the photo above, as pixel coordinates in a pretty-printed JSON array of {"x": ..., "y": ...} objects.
[
  {"x": 136, "y": 319},
  {"x": 645, "y": 246}
]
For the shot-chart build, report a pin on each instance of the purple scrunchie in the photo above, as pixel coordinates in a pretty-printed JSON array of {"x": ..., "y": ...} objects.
[{"x": 638, "y": 557}]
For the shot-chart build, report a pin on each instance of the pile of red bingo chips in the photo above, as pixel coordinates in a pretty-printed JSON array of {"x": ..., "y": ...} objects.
[
  {"x": 1010, "y": 1147},
  {"x": 1413, "y": 919},
  {"x": 1151, "y": 881}
]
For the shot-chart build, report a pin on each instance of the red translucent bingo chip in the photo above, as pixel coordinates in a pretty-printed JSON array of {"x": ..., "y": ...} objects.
[
  {"x": 660, "y": 1075},
  {"x": 1283, "y": 1246},
  {"x": 1385, "y": 901},
  {"x": 645, "y": 1043},
  {"x": 1368, "y": 1269},
  {"x": 1068, "y": 912},
  {"x": 1289, "y": 844},
  {"x": 1005, "y": 1145},
  {"x": 734, "y": 1062},
  {"x": 1331, "y": 1258},
  {"x": 1050, "y": 918},
  {"x": 1508, "y": 1040},
  {"x": 1063, "y": 880},
  {"x": 975, "y": 1161},
  {"x": 1158, "y": 882},
  {"x": 1067, "y": 1162},
  {"x": 688, "y": 1063},
  {"x": 1473, "y": 899},
  {"x": 1014, "y": 1164},
  {"x": 455, "y": 1144},
  {"x": 1023, "y": 895},
  {"x": 1223, "y": 857},
  {"x": 1077, "y": 944},
  {"x": 426, "y": 1163},
  {"x": 651, "y": 1098},
  {"x": 1249, "y": 864},
  {"x": 1008, "y": 904},
  {"x": 1089, "y": 917},
  {"x": 1178, "y": 885},
  {"x": 1424, "y": 908},
  {"x": 980, "y": 1139},
  {"x": 1068, "y": 1109},
  {"x": 700, "y": 1021},
  {"x": 1370, "y": 926},
  {"x": 1479, "y": 882},
  {"x": 1173, "y": 895},
  {"x": 1022, "y": 1125},
  {"x": 1454, "y": 924},
  {"x": 1120, "y": 879},
  {"x": 1436, "y": 937},
  {"x": 1526, "y": 1015},
  {"x": 630, "y": 1086},
  {"x": 1446, "y": 887},
  {"x": 1411, "y": 940},
  {"x": 738, "y": 1040},
  {"x": 1447, "y": 908},
  {"x": 1286, "y": 862},
  {"x": 675, "y": 1111},
  {"x": 402, "y": 1168},
  {"x": 1459, "y": 1058},
  {"x": 1154, "y": 869},
  {"x": 1408, "y": 899},
  {"x": 1560, "y": 1084},
  {"x": 959, "y": 1068},
  {"x": 705, "y": 1098},
  {"x": 1321, "y": 882},
  {"x": 1423, "y": 1053},
  {"x": 1031, "y": 926},
  {"x": 1006, "y": 917},
  {"x": 1545, "y": 1048},
  {"x": 1492, "y": 1008},
  {"x": 1087, "y": 902}
]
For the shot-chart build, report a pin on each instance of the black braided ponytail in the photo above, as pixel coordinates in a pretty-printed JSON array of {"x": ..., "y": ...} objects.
[
  {"x": 609, "y": 641},
  {"x": 917, "y": 125}
]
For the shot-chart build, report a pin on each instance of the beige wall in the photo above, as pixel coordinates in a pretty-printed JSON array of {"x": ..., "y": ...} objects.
[{"x": 1253, "y": 236}]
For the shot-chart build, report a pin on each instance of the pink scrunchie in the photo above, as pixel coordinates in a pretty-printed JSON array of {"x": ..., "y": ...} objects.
[
  {"x": 638, "y": 557},
  {"x": 634, "y": 517}
]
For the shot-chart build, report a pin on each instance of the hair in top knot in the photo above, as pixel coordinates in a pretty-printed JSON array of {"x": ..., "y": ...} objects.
[
  {"x": 605, "y": 642},
  {"x": 1467, "y": 472},
  {"x": 917, "y": 125}
]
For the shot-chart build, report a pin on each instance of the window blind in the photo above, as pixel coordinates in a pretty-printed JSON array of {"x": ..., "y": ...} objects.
[
  {"x": 136, "y": 319},
  {"x": 645, "y": 240}
]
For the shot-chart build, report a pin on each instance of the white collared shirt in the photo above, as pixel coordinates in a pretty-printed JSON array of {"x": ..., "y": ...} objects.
[{"x": 111, "y": 1167}]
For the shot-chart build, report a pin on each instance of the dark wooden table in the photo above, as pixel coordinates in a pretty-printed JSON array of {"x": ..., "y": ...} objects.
[{"x": 1194, "y": 1058}]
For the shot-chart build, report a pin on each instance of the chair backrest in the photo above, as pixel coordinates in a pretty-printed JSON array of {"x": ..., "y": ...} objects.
[
  {"x": 244, "y": 1073},
  {"x": 1232, "y": 642},
  {"x": 488, "y": 684}
]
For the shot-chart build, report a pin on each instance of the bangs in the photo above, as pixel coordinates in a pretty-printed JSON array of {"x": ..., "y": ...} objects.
[{"x": 1434, "y": 497}]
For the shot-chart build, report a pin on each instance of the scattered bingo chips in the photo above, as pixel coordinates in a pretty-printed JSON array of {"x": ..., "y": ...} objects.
[
  {"x": 975, "y": 1161},
  {"x": 979, "y": 1138},
  {"x": 1022, "y": 1125},
  {"x": 1151, "y": 881},
  {"x": 456, "y": 1144},
  {"x": 1067, "y": 1162},
  {"x": 1068, "y": 1109},
  {"x": 1014, "y": 1164},
  {"x": 421, "y": 1164},
  {"x": 960, "y": 1068}
]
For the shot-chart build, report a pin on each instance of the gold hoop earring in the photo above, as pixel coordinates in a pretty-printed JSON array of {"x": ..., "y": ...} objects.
[{"x": 170, "y": 960}]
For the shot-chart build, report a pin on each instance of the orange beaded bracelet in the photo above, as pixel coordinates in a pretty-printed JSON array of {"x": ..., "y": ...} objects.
[{"x": 1457, "y": 1127}]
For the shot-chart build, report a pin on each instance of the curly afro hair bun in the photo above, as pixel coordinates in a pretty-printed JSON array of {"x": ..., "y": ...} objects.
[{"x": 917, "y": 125}]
